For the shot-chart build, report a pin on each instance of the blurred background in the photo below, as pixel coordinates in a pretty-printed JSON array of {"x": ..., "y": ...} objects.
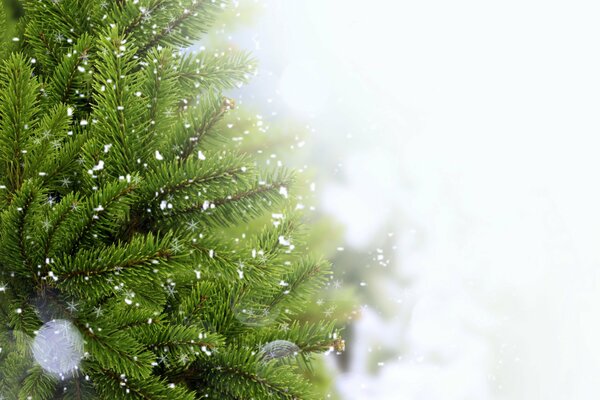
[{"x": 448, "y": 155}]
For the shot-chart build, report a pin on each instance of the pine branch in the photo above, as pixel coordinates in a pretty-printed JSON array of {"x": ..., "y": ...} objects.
[
  {"x": 71, "y": 75},
  {"x": 162, "y": 93},
  {"x": 93, "y": 273},
  {"x": 215, "y": 71},
  {"x": 92, "y": 217},
  {"x": 118, "y": 111},
  {"x": 141, "y": 14},
  {"x": 46, "y": 141},
  {"x": 18, "y": 231},
  {"x": 197, "y": 122},
  {"x": 37, "y": 384},
  {"x": 239, "y": 373},
  {"x": 299, "y": 283},
  {"x": 118, "y": 352},
  {"x": 124, "y": 212},
  {"x": 46, "y": 51},
  {"x": 6, "y": 35},
  {"x": 18, "y": 110},
  {"x": 194, "y": 175},
  {"x": 186, "y": 21},
  {"x": 248, "y": 201},
  {"x": 110, "y": 385}
]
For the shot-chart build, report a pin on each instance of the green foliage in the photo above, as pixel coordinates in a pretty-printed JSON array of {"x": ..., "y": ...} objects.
[{"x": 119, "y": 201}]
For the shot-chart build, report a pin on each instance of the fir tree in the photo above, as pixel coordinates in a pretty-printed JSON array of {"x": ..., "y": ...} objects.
[{"x": 120, "y": 273}]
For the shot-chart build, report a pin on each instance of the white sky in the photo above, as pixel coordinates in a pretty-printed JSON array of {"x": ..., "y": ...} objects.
[{"x": 478, "y": 121}]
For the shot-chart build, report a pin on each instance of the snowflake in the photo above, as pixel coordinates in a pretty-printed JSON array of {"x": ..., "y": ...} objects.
[
  {"x": 98, "y": 311},
  {"x": 46, "y": 225},
  {"x": 284, "y": 326},
  {"x": 162, "y": 359},
  {"x": 176, "y": 246},
  {"x": 329, "y": 311},
  {"x": 183, "y": 358},
  {"x": 146, "y": 14},
  {"x": 192, "y": 225},
  {"x": 170, "y": 289},
  {"x": 64, "y": 182},
  {"x": 72, "y": 306}
]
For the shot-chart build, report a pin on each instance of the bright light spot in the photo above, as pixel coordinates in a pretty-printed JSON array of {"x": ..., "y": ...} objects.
[{"x": 58, "y": 348}]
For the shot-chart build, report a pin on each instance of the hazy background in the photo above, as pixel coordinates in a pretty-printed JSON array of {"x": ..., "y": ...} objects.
[{"x": 457, "y": 142}]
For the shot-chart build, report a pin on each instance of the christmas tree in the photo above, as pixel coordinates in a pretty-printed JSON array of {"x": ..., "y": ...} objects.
[{"x": 122, "y": 270}]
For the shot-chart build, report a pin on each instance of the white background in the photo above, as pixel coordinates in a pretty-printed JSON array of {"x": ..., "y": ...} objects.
[{"x": 478, "y": 123}]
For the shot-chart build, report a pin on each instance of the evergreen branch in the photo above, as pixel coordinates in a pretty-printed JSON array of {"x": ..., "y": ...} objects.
[
  {"x": 117, "y": 109},
  {"x": 128, "y": 317},
  {"x": 192, "y": 174},
  {"x": 70, "y": 73},
  {"x": 37, "y": 384},
  {"x": 87, "y": 273},
  {"x": 14, "y": 367},
  {"x": 18, "y": 110},
  {"x": 257, "y": 256},
  {"x": 110, "y": 385},
  {"x": 7, "y": 33},
  {"x": 239, "y": 373},
  {"x": 24, "y": 323},
  {"x": 47, "y": 54},
  {"x": 18, "y": 230},
  {"x": 300, "y": 282},
  {"x": 162, "y": 91},
  {"x": 141, "y": 251},
  {"x": 55, "y": 219},
  {"x": 46, "y": 141},
  {"x": 142, "y": 13},
  {"x": 243, "y": 205},
  {"x": 105, "y": 204},
  {"x": 310, "y": 337},
  {"x": 61, "y": 165},
  {"x": 176, "y": 344},
  {"x": 196, "y": 122},
  {"x": 197, "y": 12},
  {"x": 215, "y": 71},
  {"x": 92, "y": 217},
  {"x": 119, "y": 352},
  {"x": 125, "y": 10}
]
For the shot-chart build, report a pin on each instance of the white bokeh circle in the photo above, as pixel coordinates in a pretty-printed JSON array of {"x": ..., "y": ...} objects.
[{"x": 58, "y": 348}]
